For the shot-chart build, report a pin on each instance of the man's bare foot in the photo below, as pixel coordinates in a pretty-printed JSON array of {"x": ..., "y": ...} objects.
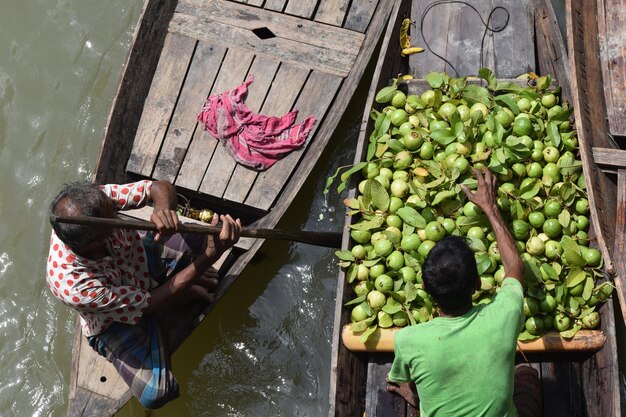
[{"x": 405, "y": 390}]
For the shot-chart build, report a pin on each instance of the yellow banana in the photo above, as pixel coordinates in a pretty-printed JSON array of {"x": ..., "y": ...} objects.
[{"x": 411, "y": 50}]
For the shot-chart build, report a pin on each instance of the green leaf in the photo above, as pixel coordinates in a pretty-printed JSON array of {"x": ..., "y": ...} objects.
[
  {"x": 345, "y": 255},
  {"x": 571, "y": 252},
  {"x": 443, "y": 136},
  {"x": 351, "y": 273},
  {"x": 392, "y": 306},
  {"x": 410, "y": 292},
  {"x": 473, "y": 93},
  {"x": 553, "y": 134},
  {"x": 330, "y": 180},
  {"x": 531, "y": 189},
  {"x": 357, "y": 300},
  {"x": 374, "y": 223},
  {"x": 507, "y": 101},
  {"x": 508, "y": 87},
  {"x": 568, "y": 334},
  {"x": 483, "y": 263},
  {"x": 567, "y": 192},
  {"x": 367, "y": 333},
  {"x": 435, "y": 79},
  {"x": 487, "y": 75},
  {"x": 410, "y": 216},
  {"x": 527, "y": 336},
  {"x": 543, "y": 83},
  {"x": 563, "y": 116},
  {"x": 477, "y": 245},
  {"x": 443, "y": 195},
  {"x": 358, "y": 167},
  {"x": 588, "y": 290},
  {"x": 564, "y": 218},
  {"x": 380, "y": 197},
  {"x": 549, "y": 272},
  {"x": 386, "y": 94},
  {"x": 575, "y": 277}
]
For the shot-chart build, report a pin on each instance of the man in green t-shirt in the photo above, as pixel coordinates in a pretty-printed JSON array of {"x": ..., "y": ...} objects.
[{"x": 462, "y": 363}]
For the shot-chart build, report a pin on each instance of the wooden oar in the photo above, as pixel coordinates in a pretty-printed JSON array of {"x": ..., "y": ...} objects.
[{"x": 325, "y": 239}]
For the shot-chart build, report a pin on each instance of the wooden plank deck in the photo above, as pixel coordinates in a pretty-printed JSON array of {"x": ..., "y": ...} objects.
[{"x": 212, "y": 47}]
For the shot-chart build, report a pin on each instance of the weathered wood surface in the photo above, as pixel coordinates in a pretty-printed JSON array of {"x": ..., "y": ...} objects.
[
  {"x": 591, "y": 125},
  {"x": 382, "y": 340},
  {"x": 349, "y": 370},
  {"x": 455, "y": 33},
  {"x": 575, "y": 385},
  {"x": 612, "y": 37},
  {"x": 189, "y": 166}
]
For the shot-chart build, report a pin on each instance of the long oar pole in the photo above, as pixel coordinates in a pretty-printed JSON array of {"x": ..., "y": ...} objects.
[{"x": 325, "y": 239}]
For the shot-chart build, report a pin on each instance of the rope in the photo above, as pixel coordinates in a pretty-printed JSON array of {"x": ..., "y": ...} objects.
[{"x": 485, "y": 24}]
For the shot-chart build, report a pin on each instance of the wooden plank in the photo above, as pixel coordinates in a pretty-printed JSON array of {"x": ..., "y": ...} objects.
[
  {"x": 591, "y": 124},
  {"x": 360, "y": 15},
  {"x": 281, "y": 25},
  {"x": 560, "y": 382},
  {"x": 332, "y": 12},
  {"x": 232, "y": 72},
  {"x": 203, "y": 70},
  {"x": 132, "y": 89},
  {"x": 514, "y": 47},
  {"x": 222, "y": 165},
  {"x": 257, "y": 3},
  {"x": 168, "y": 78},
  {"x": 318, "y": 57},
  {"x": 436, "y": 29},
  {"x": 615, "y": 158},
  {"x": 600, "y": 374},
  {"x": 276, "y": 5},
  {"x": 281, "y": 97},
  {"x": 313, "y": 100},
  {"x": 302, "y": 8},
  {"x": 612, "y": 37},
  {"x": 619, "y": 251},
  {"x": 379, "y": 402},
  {"x": 382, "y": 340}
]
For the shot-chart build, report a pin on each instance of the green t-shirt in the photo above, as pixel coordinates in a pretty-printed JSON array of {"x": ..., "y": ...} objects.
[{"x": 464, "y": 366}]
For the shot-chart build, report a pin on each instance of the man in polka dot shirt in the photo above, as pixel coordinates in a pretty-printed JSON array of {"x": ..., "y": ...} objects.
[{"x": 107, "y": 276}]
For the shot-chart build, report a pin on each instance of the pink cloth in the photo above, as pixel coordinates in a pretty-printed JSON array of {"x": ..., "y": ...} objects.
[{"x": 253, "y": 140}]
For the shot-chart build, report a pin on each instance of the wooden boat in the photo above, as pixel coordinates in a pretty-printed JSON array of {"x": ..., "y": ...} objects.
[
  {"x": 598, "y": 64},
  {"x": 575, "y": 382},
  {"x": 305, "y": 55}
]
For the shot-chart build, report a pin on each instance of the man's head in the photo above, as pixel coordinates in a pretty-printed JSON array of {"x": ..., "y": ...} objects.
[
  {"x": 450, "y": 274},
  {"x": 81, "y": 199}
]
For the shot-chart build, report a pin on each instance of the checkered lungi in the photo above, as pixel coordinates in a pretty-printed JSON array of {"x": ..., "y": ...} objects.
[{"x": 138, "y": 352}]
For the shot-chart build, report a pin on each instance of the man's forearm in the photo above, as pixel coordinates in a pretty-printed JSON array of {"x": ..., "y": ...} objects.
[
  {"x": 163, "y": 195},
  {"x": 513, "y": 266}
]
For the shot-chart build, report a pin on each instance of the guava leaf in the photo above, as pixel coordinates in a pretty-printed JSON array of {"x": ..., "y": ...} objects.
[
  {"x": 345, "y": 255},
  {"x": 386, "y": 94},
  {"x": 575, "y": 277},
  {"x": 351, "y": 273},
  {"x": 477, "y": 245},
  {"x": 433, "y": 168},
  {"x": 507, "y": 101},
  {"x": 508, "y": 87},
  {"x": 527, "y": 336},
  {"x": 483, "y": 263},
  {"x": 434, "y": 183},
  {"x": 549, "y": 272},
  {"x": 410, "y": 216},
  {"x": 373, "y": 223},
  {"x": 362, "y": 325},
  {"x": 357, "y": 300},
  {"x": 442, "y": 195},
  {"x": 571, "y": 252},
  {"x": 553, "y": 134},
  {"x": 563, "y": 116},
  {"x": 409, "y": 260},
  {"x": 588, "y": 289},
  {"x": 487, "y": 75},
  {"x": 392, "y": 306},
  {"x": 443, "y": 136},
  {"x": 532, "y": 273},
  {"x": 329, "y": 180},
  {"x": 367, "y": 333},
  {"x": 379, "y": 196},
  {"x": 537, "y": 293},
  {"x": 435, "y": 79},
  {"x": 437, "y": 98},
  {"x": 473, "y": 93},
  {"x": 564, "y": 218},
  {"x": 568, "y": 334},
  {"x": 543, "y": 83},
  {"x": 410, "y": 292},
  {"x": 567, "y": 191},
  {"x": 396, "y": 145},
  {"x": 530, "y": 190}
]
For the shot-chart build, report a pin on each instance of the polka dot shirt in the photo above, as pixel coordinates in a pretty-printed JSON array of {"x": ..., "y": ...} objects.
[{"x": 111, "y": 289}]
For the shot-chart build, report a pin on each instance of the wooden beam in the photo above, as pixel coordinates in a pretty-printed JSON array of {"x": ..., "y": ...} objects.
[
  {"x": 382, "y": 340},
  {"x": 609, "y": 157},
  {"x": 619, "y": 261}
]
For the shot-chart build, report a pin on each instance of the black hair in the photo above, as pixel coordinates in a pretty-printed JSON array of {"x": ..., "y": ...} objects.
[
  {"x": 80, "y": 199},
  {"x": 450, "y": 274}
]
